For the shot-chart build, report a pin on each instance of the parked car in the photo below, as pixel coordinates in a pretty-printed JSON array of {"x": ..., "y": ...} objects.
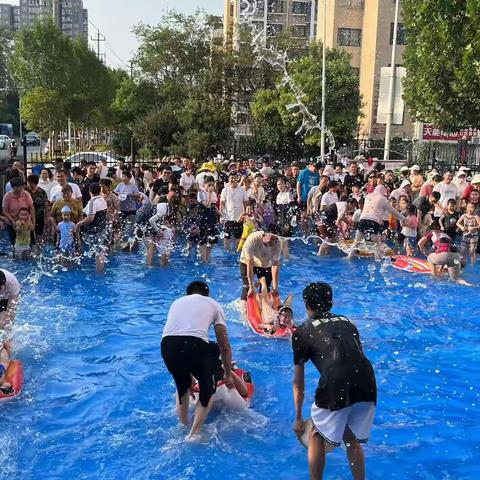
[
  {"x": 32, "y": 139},
  {"x": 5, "y": 141},
  {"x": 92, "y": 157}
]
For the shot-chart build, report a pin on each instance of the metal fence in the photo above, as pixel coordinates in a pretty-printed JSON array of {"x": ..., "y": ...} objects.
[{"x": 452, "y": 156}]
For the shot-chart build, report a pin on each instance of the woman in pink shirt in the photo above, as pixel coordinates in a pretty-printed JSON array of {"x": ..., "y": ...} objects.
[{"x": 13, "y": 202}]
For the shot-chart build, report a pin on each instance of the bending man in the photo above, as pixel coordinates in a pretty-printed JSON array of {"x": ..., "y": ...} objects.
[
  {"x": 188, "y": 354},
  {"x": 261, "y": 257},
  {"x": 346, "y": 395}
]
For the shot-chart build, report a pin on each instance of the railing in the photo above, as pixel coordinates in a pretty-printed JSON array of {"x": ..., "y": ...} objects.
[
  {"x": 351, "y": 3},
  {"x": 453, "y": 156}
]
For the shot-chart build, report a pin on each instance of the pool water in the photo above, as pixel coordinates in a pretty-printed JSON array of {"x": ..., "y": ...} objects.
[{"x": 98, "y": 402}]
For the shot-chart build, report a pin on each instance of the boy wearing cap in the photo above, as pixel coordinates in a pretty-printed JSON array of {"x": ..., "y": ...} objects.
[
  {"x": 346, "y": 396},
  {"x": 66, "y": 232}
]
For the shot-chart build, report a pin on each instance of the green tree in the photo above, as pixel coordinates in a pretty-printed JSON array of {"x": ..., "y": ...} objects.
[
  {"x": 276, "y": 123},
  {"x": 179, "y": 101},
  {"x": 442, "y": 58},
  {"x": 58, "y": 78}
]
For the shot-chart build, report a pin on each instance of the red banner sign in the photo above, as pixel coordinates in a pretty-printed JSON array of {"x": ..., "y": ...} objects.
[{"x": 431, "y": 133}]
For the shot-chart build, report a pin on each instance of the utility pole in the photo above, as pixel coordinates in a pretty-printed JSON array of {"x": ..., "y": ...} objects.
[
  {"x": 313, "y": 15},
  {"x": 391, "y": 91},
  {"x": 98, "y": 39},
  {"x": 324, "y": 76},
  {"x": 56, "y": 13}
]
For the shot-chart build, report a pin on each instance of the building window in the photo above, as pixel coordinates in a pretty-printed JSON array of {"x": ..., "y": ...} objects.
[
  {"x": 276, "y": 6},
  {"x": 299, "y": 31},
  {"x": 349, "y": 37},
  {"x": 274, "y": 28},
  {"x": 401, "y": 34},
  {"x": 301, "y": 8}
]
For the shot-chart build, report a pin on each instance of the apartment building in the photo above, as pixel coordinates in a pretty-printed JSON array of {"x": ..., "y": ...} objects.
[
  {"x": 298, "y": 17},
  {"x": 69, "y": 15},
  {"x": 6, "y": 16},
  {"x": 364, "y": 28}
]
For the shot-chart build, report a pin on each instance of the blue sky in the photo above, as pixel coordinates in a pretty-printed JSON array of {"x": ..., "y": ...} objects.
[{"x": 115, "y": 19}]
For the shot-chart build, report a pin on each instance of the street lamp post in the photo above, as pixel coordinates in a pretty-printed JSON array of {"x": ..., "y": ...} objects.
[
  {"x": 324, "y": 57},
  {"x": 391, "y": 91}
]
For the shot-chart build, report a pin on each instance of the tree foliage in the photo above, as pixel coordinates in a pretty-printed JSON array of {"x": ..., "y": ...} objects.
[
  {"x": 276, "y": 124},
  {"x": 178, "y": 102},
  {"x": 59, "y": 78},
  {"x": 442, "y": 58}
]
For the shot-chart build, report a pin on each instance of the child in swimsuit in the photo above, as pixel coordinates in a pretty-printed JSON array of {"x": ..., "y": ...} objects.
[
  {"x": 24, "y": 228},
  {"x": 273, "y": 319},
  {"x": 409, "y": 230},
  {"x": 469, "y": 224}
]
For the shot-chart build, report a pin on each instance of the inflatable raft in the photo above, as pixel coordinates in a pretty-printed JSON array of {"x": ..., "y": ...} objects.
[
  {"x": 14, "y": 376},
  {"x": 254, "y": 318},
  {"x": 229, "y": 397},
  {"x": 411, "y": 264},
  {"x": 304, "y": 438},
  {"x": 364, "y": 249}
]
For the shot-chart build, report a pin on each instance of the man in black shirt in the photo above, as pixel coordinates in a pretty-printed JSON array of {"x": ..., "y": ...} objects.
[
  {"x": 89, "y": 180},
  {"x": 160, "y": 185},
  {"x": 353, "y": 178},
  {"x": 424, "y": 206},
  {"x": 346, "y": 395}
]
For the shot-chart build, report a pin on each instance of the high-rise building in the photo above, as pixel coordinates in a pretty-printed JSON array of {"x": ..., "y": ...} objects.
[
  {"x": 69, "y": 15},
  {"x": 364, "y": 28},
  {"x": 298, "y": 17},
  {"x": 6, "y": 16}
]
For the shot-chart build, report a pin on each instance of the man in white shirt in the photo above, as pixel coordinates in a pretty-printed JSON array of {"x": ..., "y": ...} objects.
[
  {"x": 261, "y": 257},
  {"x": 9, "y": 294},
  {"x": 448, "y": 191},
  {"x": 232, "y": 204},
  {"x": 266, "y": 170},
  {"x": 331, "y": 196},
  {"x": 188, "y": 353},
  {"x": 95, "y": 226},
  {"x": 56, "y": 191}
]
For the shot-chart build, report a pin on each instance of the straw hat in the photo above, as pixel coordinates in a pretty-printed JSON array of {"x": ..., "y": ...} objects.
[
  {"x": 476, "y": 179},
  {"x": 210, "y": 166}
]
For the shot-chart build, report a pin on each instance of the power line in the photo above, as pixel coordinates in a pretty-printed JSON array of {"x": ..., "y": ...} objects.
[
  {"x": 108, "y": 44},
  {"x": 98, "y": 39}
]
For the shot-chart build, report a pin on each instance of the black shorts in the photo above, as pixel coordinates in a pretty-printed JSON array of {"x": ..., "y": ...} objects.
[
  {"x": 208, "y": 235},
  {"x": 39, "y": 226},
  {"x": 233, "y": 229},
  {"x": 369, "y": 227},
  {"x": 3, "y": 305},
  {"x": 260, "y": 272},
  {"x": 185, "y": 356}
]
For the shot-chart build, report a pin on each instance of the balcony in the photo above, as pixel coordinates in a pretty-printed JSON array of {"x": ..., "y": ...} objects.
[{"x": 351, "y": 3}]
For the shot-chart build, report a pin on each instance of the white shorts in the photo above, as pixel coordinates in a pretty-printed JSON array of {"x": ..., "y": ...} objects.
[{"x": 331, "y": 425}]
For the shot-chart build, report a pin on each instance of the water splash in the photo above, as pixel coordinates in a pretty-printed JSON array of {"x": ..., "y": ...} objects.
[{"x": 279, "y": 61}]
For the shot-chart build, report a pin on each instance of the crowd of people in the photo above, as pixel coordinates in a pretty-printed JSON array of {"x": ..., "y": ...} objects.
[
  {"x": 100, "y": 208},
  {"x": 256, "y": 208}
]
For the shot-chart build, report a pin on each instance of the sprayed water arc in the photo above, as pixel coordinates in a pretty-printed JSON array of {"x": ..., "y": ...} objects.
[{"x": 279, "y": 61}]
